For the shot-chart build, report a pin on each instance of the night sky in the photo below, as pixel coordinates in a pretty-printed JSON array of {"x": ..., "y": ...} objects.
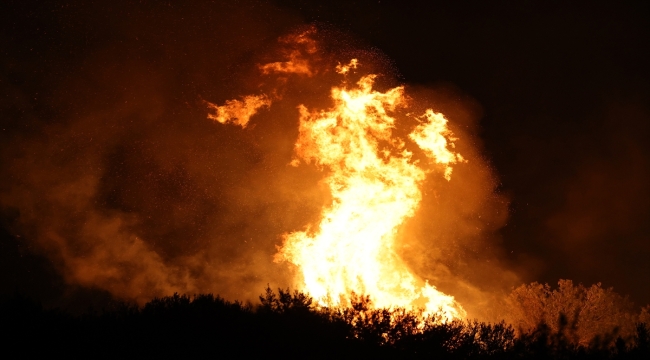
[{"x": 104, "y": 136}]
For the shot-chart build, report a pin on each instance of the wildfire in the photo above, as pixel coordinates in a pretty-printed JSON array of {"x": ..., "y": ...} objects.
[{"x": 375, "y": 186}]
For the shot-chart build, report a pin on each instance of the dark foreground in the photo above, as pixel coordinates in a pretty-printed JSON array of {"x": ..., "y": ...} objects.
[{"x": 283, "y": 325}]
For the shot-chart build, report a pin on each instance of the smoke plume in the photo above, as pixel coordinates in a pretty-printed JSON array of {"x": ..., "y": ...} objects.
[{"x": 117, "y": 175}]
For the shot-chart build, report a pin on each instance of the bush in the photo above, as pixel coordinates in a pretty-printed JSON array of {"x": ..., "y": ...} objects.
[
  {"x": 289, "y": 324},
  {"x": 581, "y": 313}
]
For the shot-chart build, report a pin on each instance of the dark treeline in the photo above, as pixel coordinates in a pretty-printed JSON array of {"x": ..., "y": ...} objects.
[{"x": 287, "y": 325}]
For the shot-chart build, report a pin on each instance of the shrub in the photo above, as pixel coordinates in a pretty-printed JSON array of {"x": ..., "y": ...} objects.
[{"x": 582, "y": 313}]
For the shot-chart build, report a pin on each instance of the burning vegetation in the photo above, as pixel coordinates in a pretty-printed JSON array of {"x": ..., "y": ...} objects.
[{"x": 368, "y": 197}]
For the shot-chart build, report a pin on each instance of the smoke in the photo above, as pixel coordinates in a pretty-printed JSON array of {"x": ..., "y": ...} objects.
[
  {"x": 117, "y": 175},
  {"x": 601, "y": 223},
  {"x": 114, "y": 172}
]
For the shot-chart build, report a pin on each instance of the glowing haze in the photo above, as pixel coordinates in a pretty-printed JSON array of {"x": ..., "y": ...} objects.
[
  {"x": 312, "y": 168},
  {"x": 373, "y": 179}
]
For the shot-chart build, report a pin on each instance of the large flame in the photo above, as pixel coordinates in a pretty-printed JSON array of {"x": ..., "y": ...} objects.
[
  {"x": 375, "y": 186},
  {"x": 373, "y": 190}
]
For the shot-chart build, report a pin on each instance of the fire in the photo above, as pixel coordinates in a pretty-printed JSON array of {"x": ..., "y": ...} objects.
[
  {"x": 375, "y": 186},
  {"x": 239, "y": 112},
  {"x": 298, "y": 44}
]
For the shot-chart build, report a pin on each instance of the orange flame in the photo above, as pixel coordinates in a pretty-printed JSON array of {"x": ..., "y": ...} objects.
[
  {"x": 374, "y": 188},
  {"x": 297, "y": 64},
  {"x": 239, "y": 112}
]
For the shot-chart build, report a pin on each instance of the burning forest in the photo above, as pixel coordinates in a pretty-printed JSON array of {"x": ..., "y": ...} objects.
[{"x": 234, "y": 149}]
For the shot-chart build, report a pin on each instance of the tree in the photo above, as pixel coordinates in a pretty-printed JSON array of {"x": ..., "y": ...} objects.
[
  {"x": 644, "y": 317},
  {"x": 583, "y": 313}
]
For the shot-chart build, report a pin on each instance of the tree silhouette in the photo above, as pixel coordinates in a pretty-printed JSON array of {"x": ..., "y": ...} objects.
[{"x": 290, "y": 325}]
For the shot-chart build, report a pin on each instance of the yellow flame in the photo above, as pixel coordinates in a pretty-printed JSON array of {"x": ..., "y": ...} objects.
[
  {"x": 344, "y": 69},
  {"x": 374, "y": 190},
  {"x": 432, "y": 136}
]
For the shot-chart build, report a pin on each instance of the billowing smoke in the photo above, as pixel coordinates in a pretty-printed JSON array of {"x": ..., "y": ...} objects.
[{"x": 121, "y": 179}]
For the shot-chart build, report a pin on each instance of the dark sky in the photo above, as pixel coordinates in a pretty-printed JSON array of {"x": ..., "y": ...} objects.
[{"x": 564, "y": 102}]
